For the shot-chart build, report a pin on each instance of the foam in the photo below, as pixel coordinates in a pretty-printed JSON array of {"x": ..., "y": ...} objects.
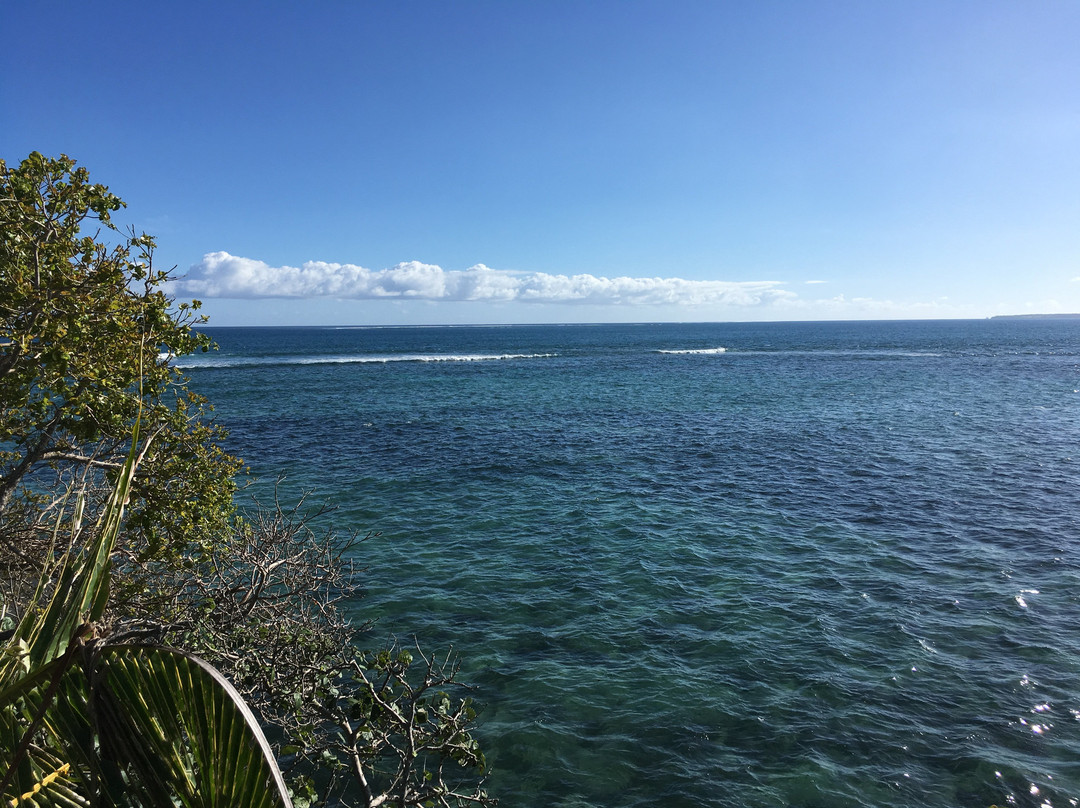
[
  {"x": 694, "y": 351},
  {"x": 347, "y": 359}
]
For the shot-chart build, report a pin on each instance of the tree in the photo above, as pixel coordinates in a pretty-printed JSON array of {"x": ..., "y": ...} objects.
[
  {"x": 86, "y": 339},
  {"x": 87, "y": 336},
  {"x": 87, "y": 721}
]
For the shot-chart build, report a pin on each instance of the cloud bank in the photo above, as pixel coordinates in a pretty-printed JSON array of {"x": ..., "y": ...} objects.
[{"x": 221, "y": 275}]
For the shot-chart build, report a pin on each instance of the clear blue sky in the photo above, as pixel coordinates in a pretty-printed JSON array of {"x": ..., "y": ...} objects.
[{"x": 357, "y": 162}]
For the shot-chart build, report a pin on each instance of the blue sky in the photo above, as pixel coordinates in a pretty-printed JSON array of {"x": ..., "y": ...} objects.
[{"x": 470, "y": 162}]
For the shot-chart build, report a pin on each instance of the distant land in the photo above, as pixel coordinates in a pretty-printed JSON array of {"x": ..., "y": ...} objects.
[{"x": 1036, "y": 317}]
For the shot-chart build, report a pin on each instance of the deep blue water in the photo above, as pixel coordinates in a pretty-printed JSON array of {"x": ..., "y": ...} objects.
[{"x": 834, "y": 565}]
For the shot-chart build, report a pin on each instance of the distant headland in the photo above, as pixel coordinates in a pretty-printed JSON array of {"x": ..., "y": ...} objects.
[{"x": 1036, "y": 317}]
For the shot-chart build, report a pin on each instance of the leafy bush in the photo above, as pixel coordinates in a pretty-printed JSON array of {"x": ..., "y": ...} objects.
[{"x": 87, "y": 339}]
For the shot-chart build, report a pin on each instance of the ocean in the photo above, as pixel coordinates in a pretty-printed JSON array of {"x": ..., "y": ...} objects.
[{"x": 769, "y": 564}]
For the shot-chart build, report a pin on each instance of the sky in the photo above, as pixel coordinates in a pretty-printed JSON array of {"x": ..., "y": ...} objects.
[{"x": 358, "y": 162}]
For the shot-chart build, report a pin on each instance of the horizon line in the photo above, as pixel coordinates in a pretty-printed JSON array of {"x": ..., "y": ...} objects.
[{"x": 343, "y": 326}]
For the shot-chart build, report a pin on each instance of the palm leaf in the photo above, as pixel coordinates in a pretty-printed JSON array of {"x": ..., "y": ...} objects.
[
  {"x": 177, "y": 723},
  {"x": 139, "y": 725},
  {"x": 119, "y": 725},
  {"x": 39, "y": 655},
  {"x": 42, "y": 771},
  {"x": 82, "y": 586}
]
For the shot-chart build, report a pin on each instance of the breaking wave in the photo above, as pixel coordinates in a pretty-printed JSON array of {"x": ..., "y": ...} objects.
[
  {"x": 693, "y": 351},
  {"x": 346, "y": 359}
]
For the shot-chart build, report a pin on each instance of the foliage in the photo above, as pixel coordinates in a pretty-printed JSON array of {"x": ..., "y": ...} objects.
[
  {"x": 85, "y": 721},
  {"x": 389, "y": 714},
  {"x": 266, "y": 608},
  {"x": 87, "y": 335},
  {"x": 86, "y": 339}
]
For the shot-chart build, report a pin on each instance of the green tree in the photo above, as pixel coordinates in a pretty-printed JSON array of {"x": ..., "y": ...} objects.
[
  {"x": 87, "y": 336},
  {"x": 87, "y": 721}
]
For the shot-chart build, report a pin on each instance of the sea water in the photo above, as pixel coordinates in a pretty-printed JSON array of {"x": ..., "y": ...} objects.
[{"x": 800, "y": 564}]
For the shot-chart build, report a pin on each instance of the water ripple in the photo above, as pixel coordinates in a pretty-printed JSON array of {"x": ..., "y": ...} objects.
[{"x": 834, "y": 566}]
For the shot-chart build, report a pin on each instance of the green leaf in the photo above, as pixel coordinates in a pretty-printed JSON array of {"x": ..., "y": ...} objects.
[{"x": 195, "y": 722}]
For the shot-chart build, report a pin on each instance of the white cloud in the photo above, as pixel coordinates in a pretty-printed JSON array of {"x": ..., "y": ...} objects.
[
  {"x": 860, "y": 307},
  {"x": 814, "y": 282},
  {"x": 221, "y": 275}
]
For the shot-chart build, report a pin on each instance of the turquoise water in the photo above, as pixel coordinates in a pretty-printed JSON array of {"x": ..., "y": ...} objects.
[{"x": 834, "y": 564}]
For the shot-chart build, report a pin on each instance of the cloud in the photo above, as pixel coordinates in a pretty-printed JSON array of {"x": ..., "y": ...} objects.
[
  {"x": 814, "y": 282},
  {"x": 843, "y": 307},
  {"x": 220, "y": 274}
]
